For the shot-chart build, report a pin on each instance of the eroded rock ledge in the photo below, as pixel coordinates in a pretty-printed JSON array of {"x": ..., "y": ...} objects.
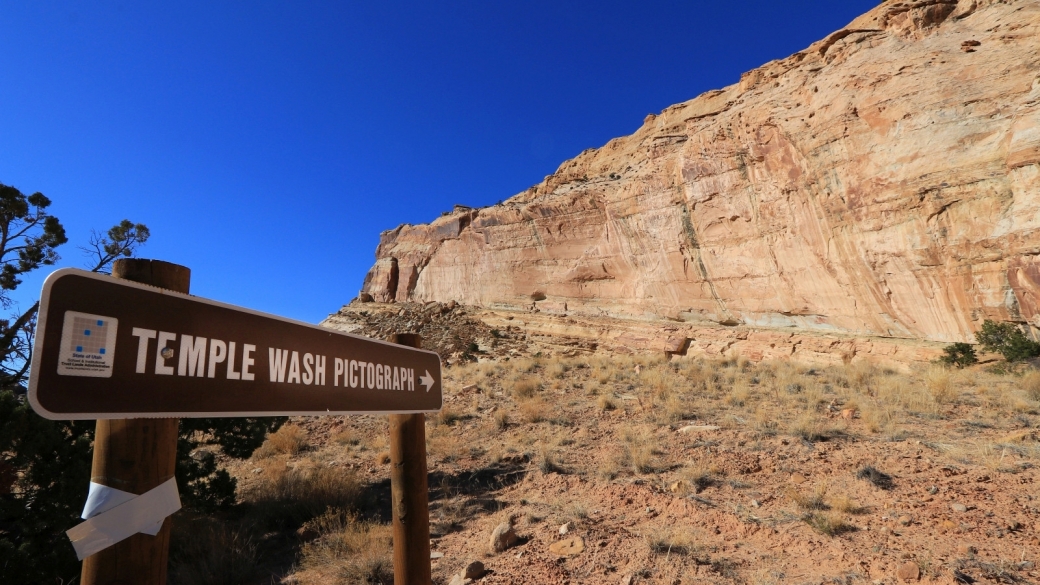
[{"x": 883, "y": 182}]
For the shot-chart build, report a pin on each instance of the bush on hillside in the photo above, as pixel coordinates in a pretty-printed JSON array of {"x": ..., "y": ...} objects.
[
  {"x": 1008, "y": 340},
  {"x": 959, "y": 354}
]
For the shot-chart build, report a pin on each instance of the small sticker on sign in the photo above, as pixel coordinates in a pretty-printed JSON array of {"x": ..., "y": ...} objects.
[{"x": 88, "y": 345}]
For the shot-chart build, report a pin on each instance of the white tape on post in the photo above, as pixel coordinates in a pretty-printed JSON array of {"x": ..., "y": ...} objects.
[{"x": 113, "y": 515}]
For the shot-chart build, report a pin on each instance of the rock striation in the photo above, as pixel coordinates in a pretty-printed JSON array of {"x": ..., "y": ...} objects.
[{"x": 885, "y": 182}]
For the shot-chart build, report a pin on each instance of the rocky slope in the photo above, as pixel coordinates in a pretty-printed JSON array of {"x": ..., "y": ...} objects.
[{"x": 885, "y": 181}]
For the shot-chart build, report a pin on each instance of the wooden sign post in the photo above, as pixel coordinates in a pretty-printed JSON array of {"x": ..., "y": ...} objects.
[
  {"x": 137, "y": 353},
  {"x": 136, "y": 455},
  {"x": 409, "y": 491}
]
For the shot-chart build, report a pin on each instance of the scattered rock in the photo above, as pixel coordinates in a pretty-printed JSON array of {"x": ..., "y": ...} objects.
[
  {"x": 908, "y": 572},
  {"x": 797, "y": 478},
  {"x": 679, "y": 486},
  {"x": 849, "y": 413},
  {"x": 473, "y": 570},
  {"x": 436, "y": 555},
  {"x": 504, "y": 536},
  {"x": 567, "y": 547},
  {"x": 905, "y": 520},
  {"x": 933, "y": 490},
  {"x": 565, "y": 528},
  {"x": 627, "y": 580},
  {"x": 460, "y": 580},
  {"x": 699, "y": 428},
  {"x": 957, "y": 507},
  {"x": 470, "y": 388}
]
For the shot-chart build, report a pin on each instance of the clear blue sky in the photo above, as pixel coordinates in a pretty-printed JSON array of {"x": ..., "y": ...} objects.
[{"x": 266, "y": 144}]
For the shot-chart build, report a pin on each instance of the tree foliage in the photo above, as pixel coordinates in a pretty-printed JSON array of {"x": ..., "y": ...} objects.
[
  {"x": 120, "y": 242},
  {"x": 1008, "y": 340},
  {"x": 45, "y": 465},
  {"x": 959, "y": 354}
]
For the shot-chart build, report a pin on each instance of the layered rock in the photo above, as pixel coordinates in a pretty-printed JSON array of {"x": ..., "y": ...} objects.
[{"x": 885, "y": 181}]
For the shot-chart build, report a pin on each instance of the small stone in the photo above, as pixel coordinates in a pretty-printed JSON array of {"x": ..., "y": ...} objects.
[
  {"x": 679, "y": 486},
  {"x": 258, "y": 470},
  {"x": 503, "y": 537},
  {"x": 567, "y": 547},
  {"x": 565, "y": 528},
  {"x": 905, "y": 520},
  {"x": 460, "y": 580},
  {"x": 755, "y": 504},
  {"x": 436, "y": 555},
  {"x": 797, "y": 478},
  {"x": 699, "y": 428},
  {"x": 627, "y": 580},
  {"x": 474, "y": 570},
  {"x": 958, "y": 507},
  {"x": 848, "y": 413},
  {"x": 948, "y": 526},
  {"x": 933, "y": 490},
  {"x": 909, "y": 572},
  {"x": 470, "y": 388}
]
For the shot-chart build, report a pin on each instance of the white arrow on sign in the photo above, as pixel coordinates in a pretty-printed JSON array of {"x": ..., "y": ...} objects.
[{"x": 426, "y": 380}]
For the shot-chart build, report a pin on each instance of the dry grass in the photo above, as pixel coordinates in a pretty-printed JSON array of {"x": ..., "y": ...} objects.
[
  {"x": 207, "y": 552},
  {"x": 524, "y": 387},
  {"x": 1031, "y": 385},
  {"x": 828, "y": 523},
  {"x": 347, "y": 550},
  {"x": 940, "y": 384},
  {"x": 813, "y": 500},
  {"x": 673, "y": 541},
  {"x": 284, "y": 496},
  {"x": 288, "y": 440}
]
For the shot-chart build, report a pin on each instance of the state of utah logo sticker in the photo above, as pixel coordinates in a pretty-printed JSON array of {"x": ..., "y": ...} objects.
[{"x": 88, "y": 345}]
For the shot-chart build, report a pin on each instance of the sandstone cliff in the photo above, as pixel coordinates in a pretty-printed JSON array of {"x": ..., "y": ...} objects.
[{"x": 885, "y": 181}]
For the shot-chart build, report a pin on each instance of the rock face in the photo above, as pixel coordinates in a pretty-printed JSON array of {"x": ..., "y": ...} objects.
[{"x": 885, "y": 181}]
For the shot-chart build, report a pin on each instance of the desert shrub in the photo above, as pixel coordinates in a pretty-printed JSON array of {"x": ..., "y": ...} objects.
[
  {"x": 288, "y": 440},
  {"x": 959, "y": 354},
  {"x": 347, "y": 550},
  {"x": 204, "y": 551},
  {"x": 829, "y": 524},
  {"x": 525, "y": 387},
  {"x": 284, "y": 497},
  {"x": 939, "y": 384},
  {"x": 1008, "y": 340}
]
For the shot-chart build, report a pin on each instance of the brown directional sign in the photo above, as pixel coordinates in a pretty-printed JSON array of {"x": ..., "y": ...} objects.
[{"x": 111, "y": 348}]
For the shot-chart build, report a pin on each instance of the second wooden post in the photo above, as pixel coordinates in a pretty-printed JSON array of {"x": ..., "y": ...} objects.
[{"x": 409, "y": 491}]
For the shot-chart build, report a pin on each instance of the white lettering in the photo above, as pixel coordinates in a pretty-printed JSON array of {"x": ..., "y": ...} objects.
[
  {"x": 294, "y": 368},
  {"x": 337, "y": 371},
  {"x": 143, "y": 335},
  {"x": 279, "y": 358},
  {"x": 160, "y": 348},
  {"x": 353, "y": 374},
  {"x": 231, "y": 373},
  {"x": 411, "y": 379},
  {"x": 319, "y": 370},
  {"x": 217, "y": 354},
  {"x": 192, "y": 359},
  {"x": 247, "y": 362},
  {"x": 308, "y": 377},
  {"x": 397, "y": 378}
]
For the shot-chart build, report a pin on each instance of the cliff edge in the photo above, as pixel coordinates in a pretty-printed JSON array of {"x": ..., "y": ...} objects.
[{"x": 885, "y": 181}]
